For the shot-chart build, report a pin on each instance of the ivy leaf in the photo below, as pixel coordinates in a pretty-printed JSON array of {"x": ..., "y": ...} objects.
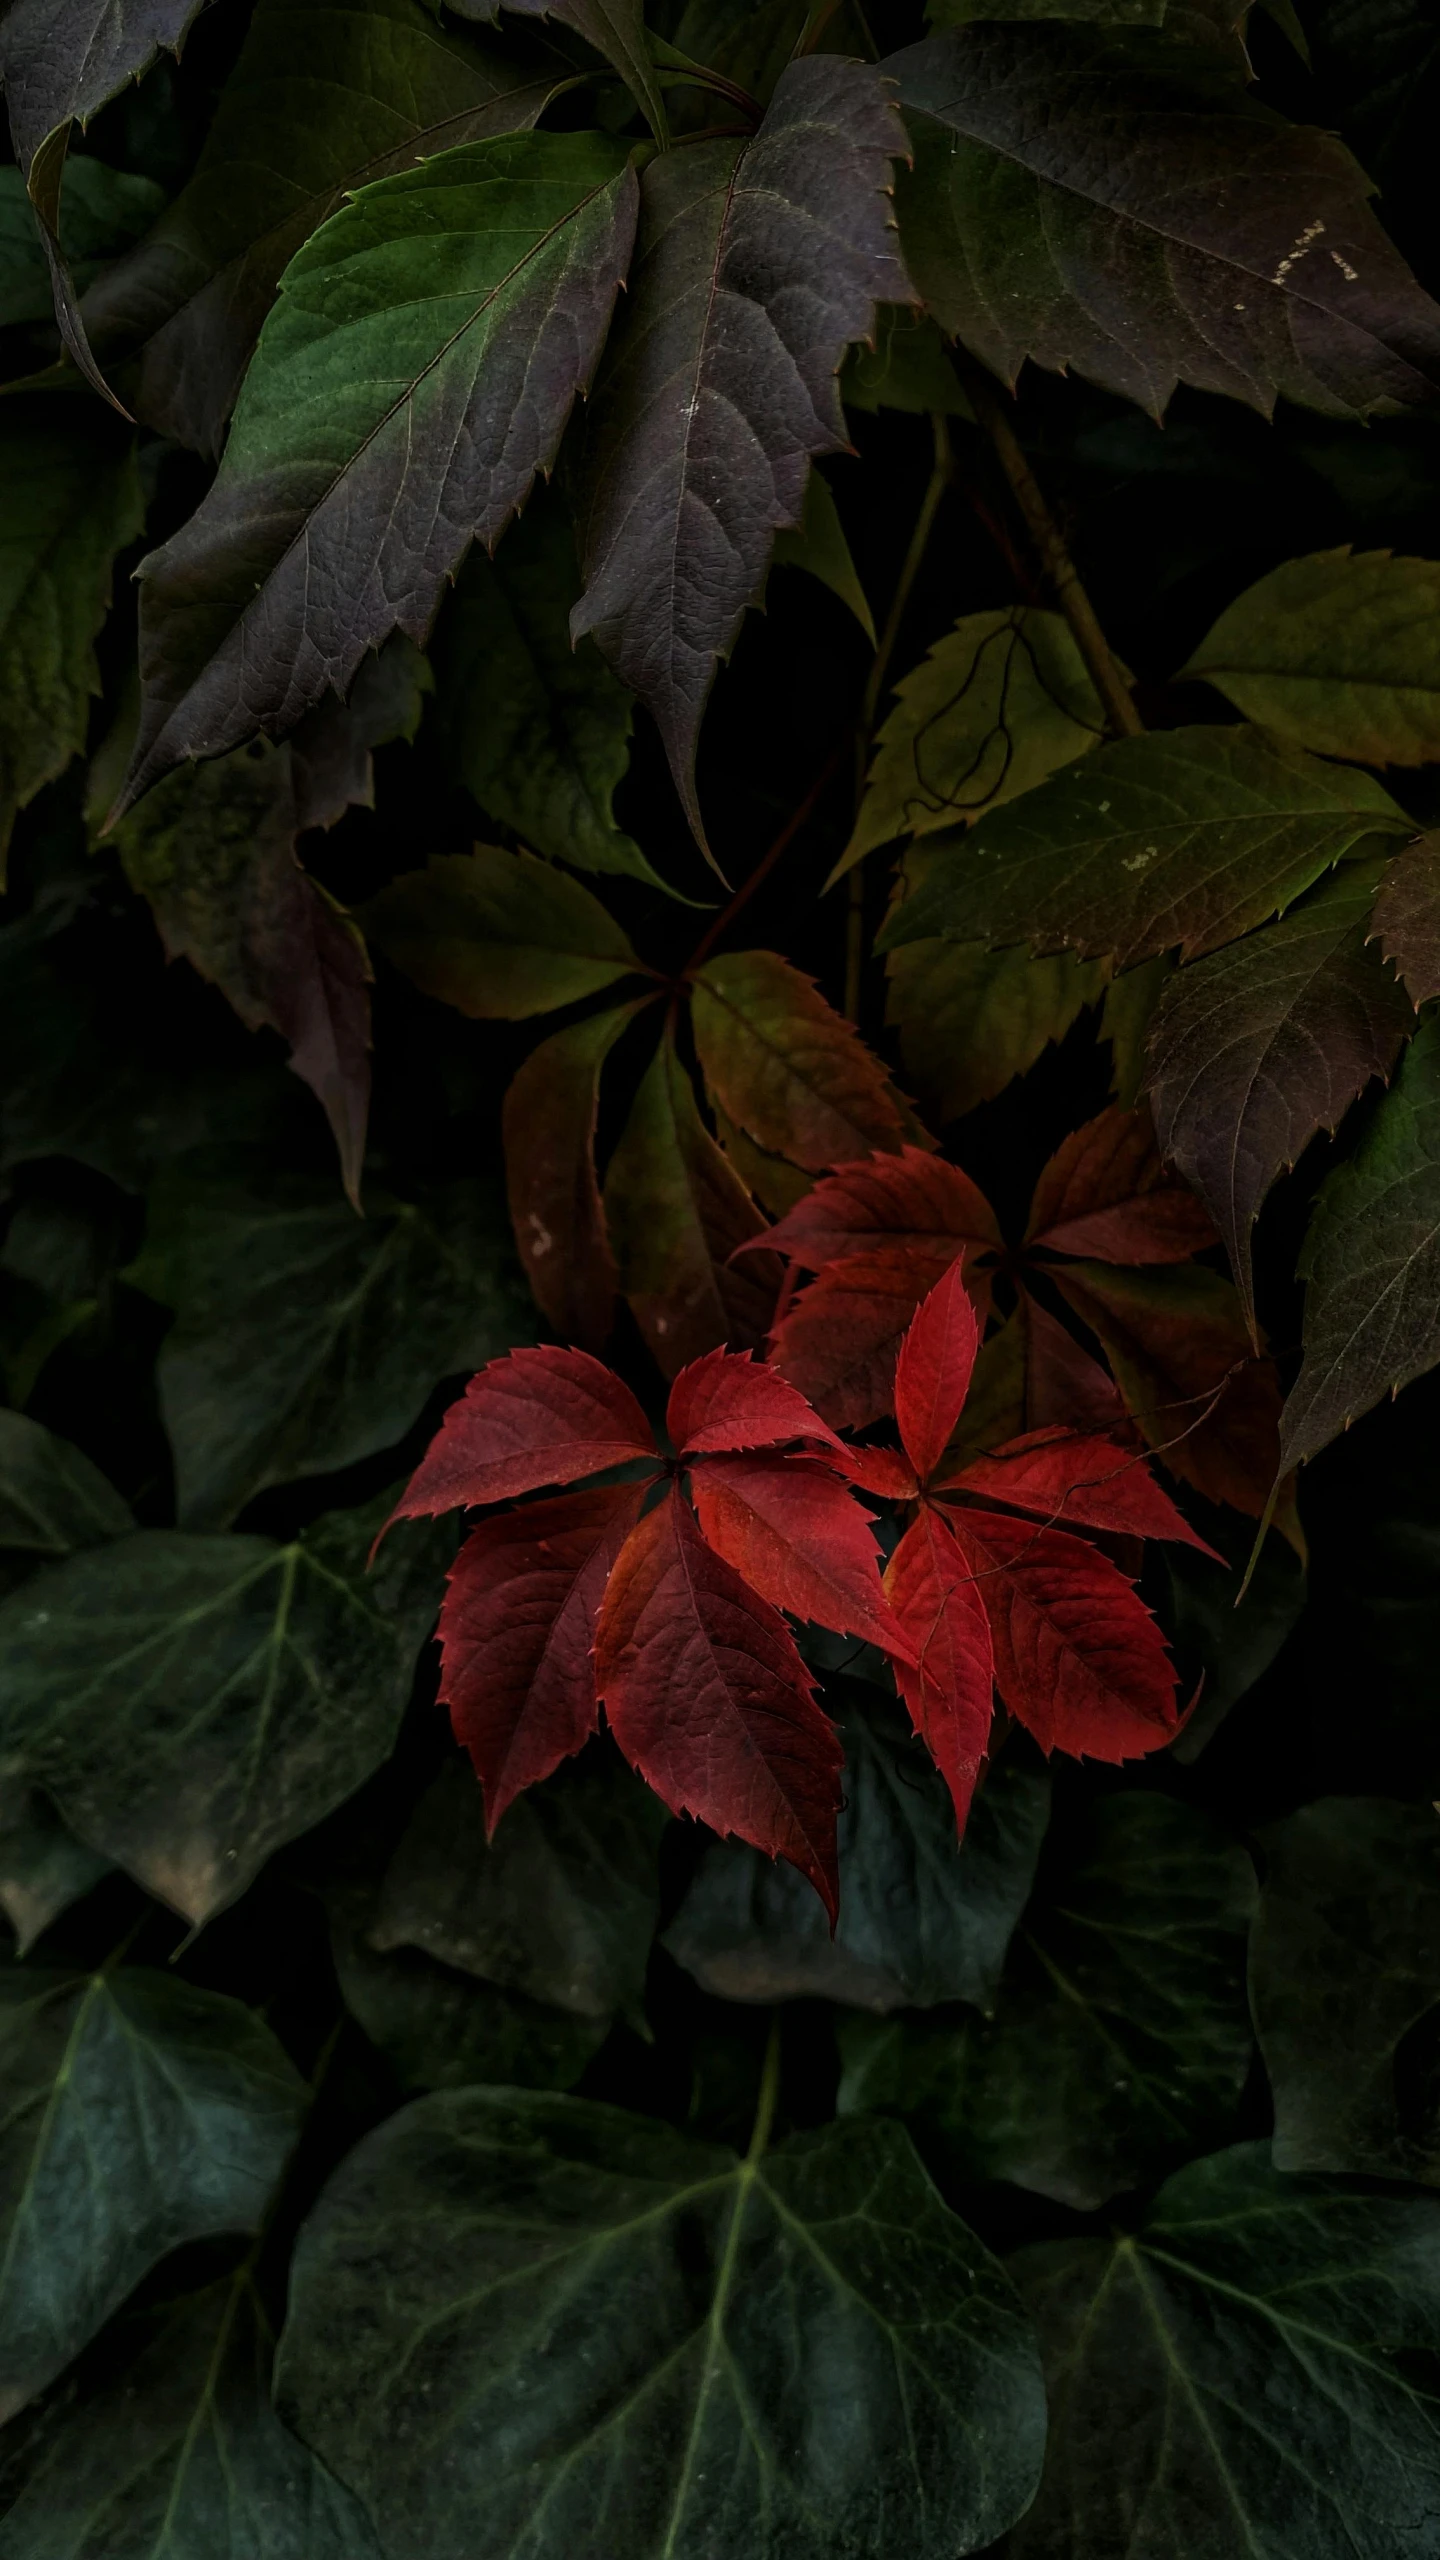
[
  {"x": 305, "y": 1337},
  {"x": 921, "y": 1920},
  {"x": 439, "y": 2029},
  {"x": 53, "y": 1499},
  {"x": 616, "y": 29},
  {"x": 998, "y": 705},
  {"x": 1180, "y": 1348},
  {"x": 69, "y": 502},
  {"x": 192, "y": 1703},
  {"x": 1342, "y": 1982},
  {"x": 716, "y": 391},
  {"x": 549, "y": 1120},
  {"x": 499, "y": 935},
  {"x": 1188, "y": 836},
  {"x": 788, "y": 1069},
  {"x": 1371, "y": 1263},
  {"x": 1239, "y": 251},
  {"x": 323, "y": 99},
  {"x": 969, "y": 1020},
  {"x": 1119, "y": 2038},
  {"x": 140, "y": 2114},
  {"x": 1291, "y": 2304},
  {"x": 1336, "y": 652},
  {"x": 183, "y": 2448},
  {"x": 43, "y": 1867},
  {"x": 1255, "y": 1049},
  {"x": 380, "y": 379},
  {"x": 537, "y": 730},
  {"x": 1406, "y": 917},
  {"x": 798, "y": 2352}
]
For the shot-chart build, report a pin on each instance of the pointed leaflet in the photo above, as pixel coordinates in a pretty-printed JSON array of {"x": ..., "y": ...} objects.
[
  {"x": 1255, "y": 1049},
  {"x": 932, "y": 1373},
  {"x": 1078, "y": 1658},
  {"x": 677, "y": 1212},
  {"x": 326, "y": 96},
  {"x": 1189, "y": 836},
  {"x": 839, "y": 1340},
  {"x": 213, "y": 849},
  {"x": 332, "y": 751},
  {"x": 950, "y": 1688},
  {"x": 499, "y": 935},
  {"x": 818, "y": 546},
  {"x": 616, "y": 29},
  {"x": 1371, "y": 1263},
  {"x": 1106, "y": 1191},
  {"x": 786, "y": 1067},
  {"x": 799, "y": 1539},
  {"x": 1180, "y": 1348},
  {"x": 969, "y": 1019},
  {"x": 730, "y": 1402},
  {"x": 1076, "y": 1480},
  {"x": 1062, "y": 1387},
  {"x": 1120, "y": 206},
  {"x": 910, "y": 1202},
  {"x": 708, "y": 1698},
  {"x": 415, "y": 374},
  {"x": 517, "y": 1634},
  {"x": 548, "y": 1123},
  {"x": 1337, "y": 653},
  {"x": 758, "y": 263},
  {"x": 1406, "y": 918},
  {"x": 534, "y": 1418}
]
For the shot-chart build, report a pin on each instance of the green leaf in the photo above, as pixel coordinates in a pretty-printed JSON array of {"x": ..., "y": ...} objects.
[
  {"x": 522, "y": 2322},
  {"x": 139, "y": 2114},
  {"x": 537, "y": 728},
  {"x": 999, "y": 704},
  {"x": 616, "y": 29},
  {"x": 788, "y": 1069},
  {"x": 43, "y": 1867},
  {"x": 1231, "y": 1641},
  {"x": 1129, "y": 1009},
  {"x": 388, "y": 372},
  {"x": 192, "y": 1703},
  {"x": 1336, "y": 652},
  {"x": 971, "y": 1019},
  {"x": 907, "y": 367},
  {"x": 1371, "y": 1263},
  {"x": 1238, "y": 250},
  {"x": 306, "y": 1337},
  {"x": 102, "y": 211},
  {"x": 1188, "y": 836},
  {"x": 326, "y": 96},
  {"x": 439, "y": 2029},
  {"x": 1342, "y": 1983},
  {"x": 1251, "y": 2373},
  {"x": 1120, "y": 2038},
  {"x": 180, "y": 2453},
  {"x": 561, "y": 1905},
  {"x": 921, "y": 1920},
  {"x": 501, "y": 935},
  {"x": 818, "y": 546},
  {"x": 69, "y": 501},
  {"x": 52, "y": 1498}
]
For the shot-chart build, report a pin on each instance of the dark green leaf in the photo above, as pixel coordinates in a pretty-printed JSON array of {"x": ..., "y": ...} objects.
[
  {"x": 1255, "y": 1049},
  {"x": 1250, "y": 2376},
  {"x": 1337, "y": 653},
  {"x": 1189, "y": 836},
  {"x": 907, "y": 368},
  {"x": 439, "y": 2029},
  {"x": 52, "y": 1499},
  {"x": 1231, "y": 1641},
  {"x": 616, "y": 29},
  {"x": 1371, "y": 1263},
  {"x": 1120, "y": 2038},
  {"x": 191, "y": 1703},
  {"x": 306, "y": 1337},
  {"x": 970, "y": 1019},
  {"x": 139, "y": 2114},
  {"x": 818, "y": 546},
  {"x": 497, "y": 934},
  {"x": 103, "y": 210},
  {"x": 561, "y": 1905},
  {"x": 920, "y": 1920},
  {"x": 43, "y": 1867},
  {"x": 532, "y": 2323},
  {"x": 1238, "y": 251},
  {"x": 1344, "y": 1984},
  {"x": 385, "y": 392}
]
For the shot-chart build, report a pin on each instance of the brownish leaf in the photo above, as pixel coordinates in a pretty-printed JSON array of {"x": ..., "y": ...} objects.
[{"x": 549, "y": 1129}]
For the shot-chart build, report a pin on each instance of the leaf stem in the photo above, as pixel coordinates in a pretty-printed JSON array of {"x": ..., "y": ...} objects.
[
  {"x": 769, "y": 2097},
  {"x": 990, "y": 408},
  {"x": 798, "y": 818}
]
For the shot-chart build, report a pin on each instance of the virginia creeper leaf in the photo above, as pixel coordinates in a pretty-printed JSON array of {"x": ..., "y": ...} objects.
[
  {"x": 907, "y": 367},
  {"x": 141, "y": 2113},
  {"x": 1255, "y": 1049},
  {"x": 933, "y": 1372},
  {"x": 555, "y": 1207},
  {"x": 793, "y": 1073},
  {"x": 616, "y": 29},
  {"x": 102, "y": 212},
  {"x": 517, "y": 1635},
  {"x": 970, "y": 1019},
  {"x": 1406, "y": 918},
  {"x": 326, "y": 96},
  {"x": 1339, "y": 652},
  {"x": 728, "y": 1401},
  {"x": 1076, "y": 1480},
  {"x": 53, "y": 1499},
  {"x": 839, "y": 1340},
  {"x": 416, "y": 372},
  {"x": 698, "y": 2348},
  {"x": 1106, "y": 1191},
  {"x": 707, "y": 1697},
  {"x": 757, "y": 264},
  {"x": 1181, "y": 1351},
  {"x": 501, "y": 935},
  {"x": 1189, "y": 836},
  {"x": 818, "y": 546},
  {"x": 536, "y": 1417},
  {"x": 949, "y": 1688},
  {"x": 798, "y": 1538},
  {"x": 331, "y": 752},
  {"x": 1238, "y": 251},
  {"x": 1079, "y": 1660},
  {"x": 909, "y": 1202},
  {"x": 1371, "y": 1263}
]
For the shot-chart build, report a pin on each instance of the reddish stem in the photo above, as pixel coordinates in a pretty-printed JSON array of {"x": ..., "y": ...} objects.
[{"x": 763, "y": 868}]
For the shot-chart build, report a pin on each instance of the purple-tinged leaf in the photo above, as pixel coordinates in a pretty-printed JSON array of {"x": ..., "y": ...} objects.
[
  {"x": 1406, "y": 916},
  {"x": 616, "y": 29}
]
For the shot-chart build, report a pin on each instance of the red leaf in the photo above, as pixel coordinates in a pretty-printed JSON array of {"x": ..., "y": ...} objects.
[
  {"x": 1063, "y": 1385},
  {"x": 517, "y": 1634},
  {"x": 709, "y": 1699},
  {"x": 1079, "y": 1480},
  {"x": 1107, "y": 1193},
  {"x": 910, "y": 1201},
  {"x": 800, "y": 1539},
  {"x": 951, "y": 1688},
  {"x": 887, "y": 1472},
  {"x": 932, "y": 1374},
  {"x": 535, "y": 1417},
  {"x": 785, "y": 1067},
  {"x": 549, "y": 1126},
  {"x": 726, "y": 1400},
  {"x": 839, "y": 1341},
  {"x": 1180, "y": 1348},
  {"x": 1078, "y": 1658}
]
